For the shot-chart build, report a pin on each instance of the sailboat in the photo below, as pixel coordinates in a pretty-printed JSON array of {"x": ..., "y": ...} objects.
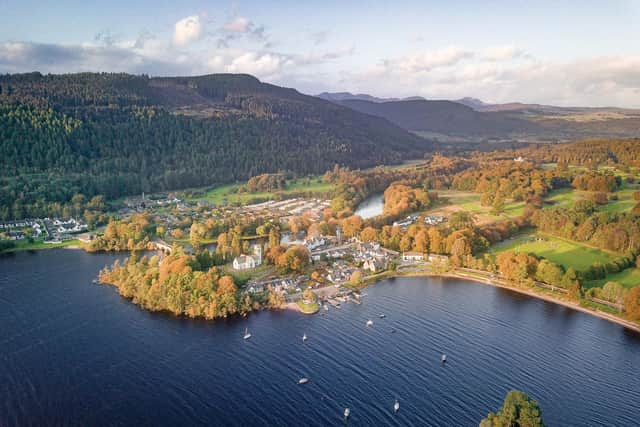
[
  {"x": 304, "y": 337},
  {"x": 369, "y": 322},
  {"x": 247, "y": 335},
  {"x": 347, "y": 412},
  {"x": 396, "y": 407},
  {"x": 444, "y": 358}
]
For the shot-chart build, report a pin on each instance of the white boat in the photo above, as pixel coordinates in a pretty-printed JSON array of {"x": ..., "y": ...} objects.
[
  {"x": 326, "y": 308},
  {"x": 444, "y": 358},
  {"x": 382, "y": 316},
  {"x": 396, "y": 406},
  {"x": 304, "y": 337},
  {"x": 347, "y": 412},
  {"x": 303, "y": 380},
  {"x": 247, "y": 335},
  {"x": 369, "y": 322}
]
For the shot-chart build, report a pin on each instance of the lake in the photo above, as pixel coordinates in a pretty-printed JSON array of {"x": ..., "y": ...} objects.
[
  {"x": 371, "y": 206},
  {"x": 76, "y": 353}
]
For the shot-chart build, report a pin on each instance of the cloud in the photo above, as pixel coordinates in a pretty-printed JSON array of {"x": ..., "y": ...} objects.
[
  {"x": 502, "y": 53},
  {"x": 238, "y": 24},
  {"x": 17, "y": 57},
  {"x": 260, "y": 64},
  {"x": 427, "y": 61},
  {"x": 187, "y": 30}
]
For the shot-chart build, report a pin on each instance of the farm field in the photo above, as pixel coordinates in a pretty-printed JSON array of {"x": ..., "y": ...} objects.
[{"x": 560, "y": 251}]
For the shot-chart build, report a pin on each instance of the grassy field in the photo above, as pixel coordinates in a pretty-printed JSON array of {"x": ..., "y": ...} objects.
[
  {"x": 229, "y": 194},
  {"x": 627, "y": 278},
  {"x": 566, "y": 197},
  {"x": 560, "y": 251},
  {"x": 23, "y": 245},
  {"x": 457, "y": 201}
]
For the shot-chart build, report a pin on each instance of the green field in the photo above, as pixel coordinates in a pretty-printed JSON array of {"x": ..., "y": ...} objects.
[
  {"x": 560, "y": 251},
  {"x": 24, "y": 245},
  {"x": 627, "y": 278},
  {"x": 566, "y": 197},
  {"x": 229, "y": 193},
  {"x": 470, "y": 202}
]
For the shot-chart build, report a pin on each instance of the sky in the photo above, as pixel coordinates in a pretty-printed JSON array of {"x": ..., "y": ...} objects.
[{"x": 560, "y": 52}]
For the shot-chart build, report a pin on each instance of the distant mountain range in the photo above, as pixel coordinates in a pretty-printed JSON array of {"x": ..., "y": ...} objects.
[
  {"x": 348, "y": 96},
  {"x": 470, "y": 119}
]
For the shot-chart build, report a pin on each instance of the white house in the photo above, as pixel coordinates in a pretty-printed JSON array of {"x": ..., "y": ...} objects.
[
  {"x": 373, "y": 265},
  {"x": 247, "y": 262},
  {"x": 244, "y": 262},
  {"x": 412, "y": 256}
]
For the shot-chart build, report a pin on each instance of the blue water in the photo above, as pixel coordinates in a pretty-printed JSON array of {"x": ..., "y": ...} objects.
[
  {"x": 371, "y": 206},
  {"x": 76, "y": 353}
]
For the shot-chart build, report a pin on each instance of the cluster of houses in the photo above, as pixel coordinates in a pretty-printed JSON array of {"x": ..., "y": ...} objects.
[
  {"x": 340, "y": 272},
  {"x": 68, "y": 226},
  {"x": 15, "y": 230},
  {"x": 55, "y": 229},
  {"x": 374, "y": 258},
  {"x": 282, "y": 285}
]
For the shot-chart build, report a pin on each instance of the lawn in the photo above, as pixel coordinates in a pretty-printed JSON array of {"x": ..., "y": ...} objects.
[
  {"x": 627, "y": 278},
  {"x": 24, "y": 245},
  {"x": 470, "y": 202},
  {"x": 559, "y": 251},
  {"x": 229, "y": 194},
  {"x": 566, "y": 197}
]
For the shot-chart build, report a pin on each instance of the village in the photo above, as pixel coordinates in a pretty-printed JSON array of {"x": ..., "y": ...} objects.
[
  {"x": 47, "y": 230},
  {"x": 339, "y": 267}
]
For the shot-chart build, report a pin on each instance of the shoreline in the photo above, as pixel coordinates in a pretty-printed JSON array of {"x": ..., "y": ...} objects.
[{"x": 529, "y": 292}]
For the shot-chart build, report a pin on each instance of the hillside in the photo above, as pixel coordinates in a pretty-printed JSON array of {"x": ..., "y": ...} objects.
[
  {"x": 472, "y": 120},
  {"x": 445, "y": 117},
  {"x": 345, "y": 96},
  {"x": 119, "y": 134}
]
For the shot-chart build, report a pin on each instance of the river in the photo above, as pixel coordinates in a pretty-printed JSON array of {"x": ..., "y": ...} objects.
[
  {"x": 371, "y": 206},
  {"x": 76, "y": 353}
]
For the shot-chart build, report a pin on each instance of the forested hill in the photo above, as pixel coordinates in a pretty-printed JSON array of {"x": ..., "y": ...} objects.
[{"x": 119, "y": 134}]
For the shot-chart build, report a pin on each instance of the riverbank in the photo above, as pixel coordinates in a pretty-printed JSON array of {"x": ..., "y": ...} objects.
[{"x": 525, "y": 291}]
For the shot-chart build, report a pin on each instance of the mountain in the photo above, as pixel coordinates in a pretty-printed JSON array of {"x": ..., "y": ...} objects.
[
  {"x": 472, "y": 120},
  {"x": 119, "y": 134},
  {"x": 443, "y": 117},
  {"x": 348, "y": 96}
]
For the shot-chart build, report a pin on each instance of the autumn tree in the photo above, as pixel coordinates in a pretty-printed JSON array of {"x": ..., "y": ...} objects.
[
  {"x": 632, "y": 303},
  {"x": 369, "y": 234},
  {"x": 518, "y": 410}
]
